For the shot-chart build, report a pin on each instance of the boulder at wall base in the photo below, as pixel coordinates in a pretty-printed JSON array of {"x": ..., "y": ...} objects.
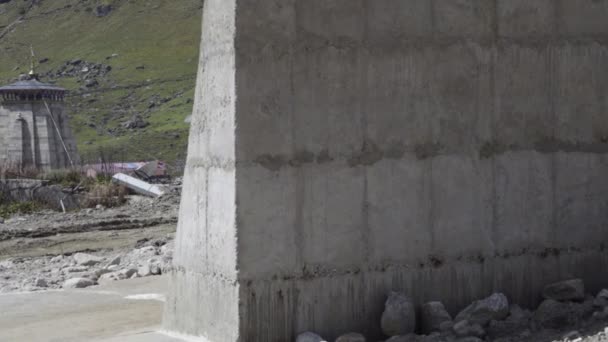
[
  {"x": 399, "y": 316},
  {"x": 567, "y": 290},
  {"x": 495, "y": 307},
  {"x": 433, "y": 314},
  {"x": 552, "y": 314}
]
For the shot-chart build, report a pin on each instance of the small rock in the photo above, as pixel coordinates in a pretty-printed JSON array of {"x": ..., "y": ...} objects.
[
  {"x": 110, "y": 277},
  {"x": 84, "y": 259},
  {"x": 601, "y": 300},
  {"x": 103, "y": 10},
  {"x": 446, "y": 326},
  {"x": 78, "y": 283},
  {"x": 309, "y": 337},
  {"x": 495, "y": 307},
  {"x": 399, "y": 316},
  {"x": 91, "y": 83},
  {"x": 41, "y": 283},
  {"x": 115, "y": 261},
  {"x": 128, "y": 272},
  {"x": 100, "y": 272},
  {"x": 466, "y": 328},
  {"x": 155, "y": 269},
  {"x": 567, "y": 290},
  {"x": 571, "y": 335},
  {"x": 113, "y": 268},
  {"x": 57, "y": 259},
  {"x": 144, "y": 271},
  {"x": 433, "y": 314},
  {"x": 516, "y": 313},
  {"x": 351, "y": 337},
  {"x": 76, "y": 269}
]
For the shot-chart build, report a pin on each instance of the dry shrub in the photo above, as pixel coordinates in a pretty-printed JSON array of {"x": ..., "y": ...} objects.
[
  {"x": 10, "y": 170},
  {"x": 67, "y": 177},
  {"x": 106, "y": 194}
]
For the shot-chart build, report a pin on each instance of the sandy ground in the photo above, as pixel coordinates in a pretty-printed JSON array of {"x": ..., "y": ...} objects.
[{"x": 128, "y": 310}]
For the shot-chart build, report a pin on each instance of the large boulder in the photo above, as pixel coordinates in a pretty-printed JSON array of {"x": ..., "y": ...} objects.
[
  {"x": 351, "y": 337},
  {"x": 78, "y": 283},
  {"x": 552, "y": 314},
  {"x": 399, "y": 316},
  {"x": 495, "y": 307},
  {"x": 567, "y": 290},
  {"x": 84, "y": 259},
  {"x": 433, "y": 314},
  {"x": 309, "y": 337}
]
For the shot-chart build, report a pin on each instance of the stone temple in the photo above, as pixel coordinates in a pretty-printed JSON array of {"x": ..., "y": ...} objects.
[{"x": 34, "y": 129}]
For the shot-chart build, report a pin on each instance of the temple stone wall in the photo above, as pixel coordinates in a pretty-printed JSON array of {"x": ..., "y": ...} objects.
[
  {"x": 344, "y": 148},
  {"x": 28, "y": 136}
]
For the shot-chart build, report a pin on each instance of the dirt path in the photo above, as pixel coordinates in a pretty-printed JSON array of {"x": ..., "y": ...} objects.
[{"x": 91, "y": 241}]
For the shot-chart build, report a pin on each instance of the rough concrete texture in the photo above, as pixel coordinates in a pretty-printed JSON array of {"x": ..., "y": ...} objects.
[{"x": 341, "y": 149}]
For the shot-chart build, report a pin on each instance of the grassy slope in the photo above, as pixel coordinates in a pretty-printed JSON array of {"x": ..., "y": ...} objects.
[{"x": 162, "y": 35}]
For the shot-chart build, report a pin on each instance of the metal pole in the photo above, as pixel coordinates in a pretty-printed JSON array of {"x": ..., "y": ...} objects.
[{"x": 59, "y": 133}]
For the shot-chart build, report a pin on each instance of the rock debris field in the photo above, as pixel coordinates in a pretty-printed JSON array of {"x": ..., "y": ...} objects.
[
  {"x": 567, "y": 313},
  {"x": 51, "y": 250}
]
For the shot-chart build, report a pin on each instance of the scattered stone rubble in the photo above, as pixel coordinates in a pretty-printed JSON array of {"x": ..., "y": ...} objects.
[
  {"x": 82, "y": 270},
  {"x": 565, "y": 307}
]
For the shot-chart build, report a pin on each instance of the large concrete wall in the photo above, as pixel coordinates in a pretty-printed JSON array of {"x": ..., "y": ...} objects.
[{"x": 344, "y": 148}]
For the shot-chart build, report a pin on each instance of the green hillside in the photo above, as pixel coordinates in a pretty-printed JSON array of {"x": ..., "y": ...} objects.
[{"x": 130, "y": 66}]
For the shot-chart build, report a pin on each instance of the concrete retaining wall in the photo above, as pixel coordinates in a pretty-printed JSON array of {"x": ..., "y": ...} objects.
[{"x": 344, "y": 148}]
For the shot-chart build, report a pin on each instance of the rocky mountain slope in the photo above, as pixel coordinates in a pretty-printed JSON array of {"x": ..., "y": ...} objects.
[{"x": 130, "y": 66}]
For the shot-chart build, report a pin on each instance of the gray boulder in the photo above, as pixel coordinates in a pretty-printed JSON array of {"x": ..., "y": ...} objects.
[
  {"x": 84, "y": 259},
  {"x": 495, "y": 307},
  {"x": 41, "y": 282},
  {"x": 567, "y": 290},
  {"x": 78, "y": 283},
  {"x": 552, "y": 314},
  {"x": 103, "y": 10},
  {"x": 115, "y": 261},
  {"x": 601, "y": 300},
  {"x": 351, "y": 337},
  {"x": 433, "y": 314},
  {"x": 144, "y": 271},
  {"x": 399, "y": 316},
  {"x": 309, "y": 337},
  {"x": 466, "y": 329}
]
